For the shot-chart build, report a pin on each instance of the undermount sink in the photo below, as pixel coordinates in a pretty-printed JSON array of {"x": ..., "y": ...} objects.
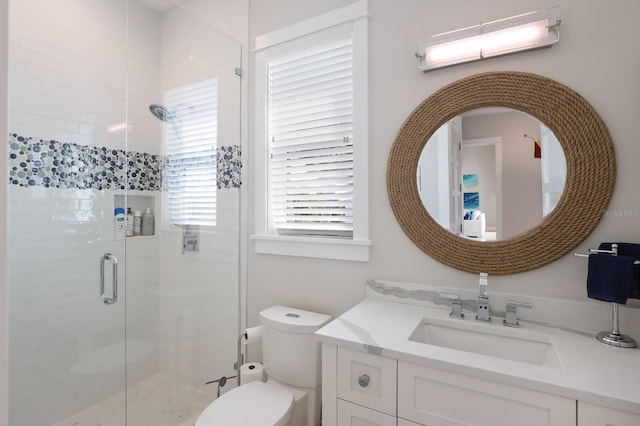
[{"x": 488, "y": 339}]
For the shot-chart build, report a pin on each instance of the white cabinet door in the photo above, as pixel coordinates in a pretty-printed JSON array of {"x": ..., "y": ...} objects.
[
  {"x": 403, "y": 422},
  {"x": 356, "y": 415},
  {"x": 595, "y": 415},
  {"x": 367, "y": 379},
  {"x": 434, "y": 397}
]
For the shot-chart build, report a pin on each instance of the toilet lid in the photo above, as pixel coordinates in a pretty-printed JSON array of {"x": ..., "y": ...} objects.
[{"x": 256, "y": 403}]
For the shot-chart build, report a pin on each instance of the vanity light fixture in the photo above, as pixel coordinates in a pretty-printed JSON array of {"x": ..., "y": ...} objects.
[{"x": 532, "y": 30}]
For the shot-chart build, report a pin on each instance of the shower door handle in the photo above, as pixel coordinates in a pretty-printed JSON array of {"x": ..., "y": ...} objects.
[{"x": 114, "y": 282}]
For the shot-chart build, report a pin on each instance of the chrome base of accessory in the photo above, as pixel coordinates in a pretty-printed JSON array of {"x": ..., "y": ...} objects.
[{"x": 616, "y": 339}]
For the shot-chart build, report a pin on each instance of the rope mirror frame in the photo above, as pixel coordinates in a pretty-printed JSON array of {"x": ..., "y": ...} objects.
[{"x": 590, "y": 178}]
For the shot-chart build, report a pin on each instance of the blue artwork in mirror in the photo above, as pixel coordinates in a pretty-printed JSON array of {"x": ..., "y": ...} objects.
[{"x": 471, "y": 200}]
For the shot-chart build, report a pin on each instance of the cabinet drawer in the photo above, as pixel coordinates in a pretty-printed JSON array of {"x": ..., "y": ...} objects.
[
  {"x": 594, "y": 415},
  {"x": 431, "y": 396},
  {"x": 367, "y": 379},
  {"x": 356, "y": 415}
]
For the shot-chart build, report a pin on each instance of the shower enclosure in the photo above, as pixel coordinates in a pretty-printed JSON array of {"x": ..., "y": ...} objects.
[{"x": 115, "y": 104}]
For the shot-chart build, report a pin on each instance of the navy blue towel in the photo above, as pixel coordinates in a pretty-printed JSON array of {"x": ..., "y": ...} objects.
[
  {"x": 610, "y": 278},
  {"x": 631, "y": 250}
]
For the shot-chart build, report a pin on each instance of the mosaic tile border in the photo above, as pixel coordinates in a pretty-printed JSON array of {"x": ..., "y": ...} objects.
[
  {"x": 54, "y": 164},
  {"x": 229, "y": 167}
]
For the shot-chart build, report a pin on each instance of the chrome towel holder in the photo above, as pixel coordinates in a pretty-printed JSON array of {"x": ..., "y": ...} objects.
[{"x": 613, "y": 337}]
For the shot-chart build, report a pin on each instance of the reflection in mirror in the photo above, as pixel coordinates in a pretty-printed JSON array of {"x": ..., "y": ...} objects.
[
  {"x": 590, "y": 172},
  {"x": 491, "y": 174}
]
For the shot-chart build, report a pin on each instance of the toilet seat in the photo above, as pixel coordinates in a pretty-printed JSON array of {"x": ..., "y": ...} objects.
[{"x": 255, "y": 404}]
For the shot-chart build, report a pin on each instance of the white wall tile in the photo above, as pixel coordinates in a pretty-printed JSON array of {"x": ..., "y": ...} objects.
[{"x": 73, "y": 69}]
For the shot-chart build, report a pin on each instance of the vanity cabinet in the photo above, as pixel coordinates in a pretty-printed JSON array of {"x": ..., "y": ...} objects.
[
  {"x": 358, "y": 388},
  {"x": 429, "y": 396},
  {"x": 361, "y": 388},
  {"x": 356, "y": 415},
  {"x": 595, "y": 415},
  {"x": 409, "y": 364},
  {"x": 367, "y": 380}
]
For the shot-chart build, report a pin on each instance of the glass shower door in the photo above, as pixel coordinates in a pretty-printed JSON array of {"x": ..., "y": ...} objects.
[
  {"x": 67, "y": 167},
  {"x": 108, "y": 99},
  {"x": 183, "y": 281}
]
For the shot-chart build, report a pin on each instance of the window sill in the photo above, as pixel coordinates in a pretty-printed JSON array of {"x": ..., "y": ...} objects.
[{"x": 322, "y": 248}]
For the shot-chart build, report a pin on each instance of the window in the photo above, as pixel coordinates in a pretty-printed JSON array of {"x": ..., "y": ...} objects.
[
  {"x": 311, "y": 138},
  {"x": 191, "y": 140},
  {"x": 310, "y": 135}
]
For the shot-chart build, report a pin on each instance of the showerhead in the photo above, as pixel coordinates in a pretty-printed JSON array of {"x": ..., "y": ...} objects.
[{"x": 162, "y": 113}]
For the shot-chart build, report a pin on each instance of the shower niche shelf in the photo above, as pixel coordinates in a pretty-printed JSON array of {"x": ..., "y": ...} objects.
[{"x": 138, "y": 202}]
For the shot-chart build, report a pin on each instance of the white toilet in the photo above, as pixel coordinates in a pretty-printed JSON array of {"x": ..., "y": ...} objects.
[{"x": 292, "y": 393}]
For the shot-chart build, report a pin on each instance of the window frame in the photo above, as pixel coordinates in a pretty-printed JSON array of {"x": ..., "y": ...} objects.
[{"x": 266, "y": 241}]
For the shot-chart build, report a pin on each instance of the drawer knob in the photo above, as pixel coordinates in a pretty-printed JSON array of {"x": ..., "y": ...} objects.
[{"x": 363, "y": 380}]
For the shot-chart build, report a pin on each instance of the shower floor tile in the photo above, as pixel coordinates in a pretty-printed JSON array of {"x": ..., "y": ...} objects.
[{"x": 156, "y": 401}]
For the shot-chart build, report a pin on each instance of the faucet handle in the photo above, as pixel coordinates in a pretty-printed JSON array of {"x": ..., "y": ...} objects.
[
  {"x": 519, "y": 304},
  {"x": 450, "y": 296},
  {"x": 511, "y": 315},
  {"x": 456, "y": 304}
]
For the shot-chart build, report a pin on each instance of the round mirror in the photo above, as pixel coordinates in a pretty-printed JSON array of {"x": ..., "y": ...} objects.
[
  {"x": 491, "y": 173},
  {"x": 589, "y": 159}
]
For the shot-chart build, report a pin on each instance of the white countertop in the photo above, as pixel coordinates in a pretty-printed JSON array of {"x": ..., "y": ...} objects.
[{"x": 590, "y": 371}]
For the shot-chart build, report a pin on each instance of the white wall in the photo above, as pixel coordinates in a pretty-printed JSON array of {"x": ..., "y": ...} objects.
[
  {"x": 4, "y": 305},
  {"x": 229, "y": 16},
  {"x": 434, "y": 185},
  {"x": 143, "y": 75},
  {"x": 481, "y": 160},
  {"x": 602, "y": 65},
  {"x": 521, "y": 171},
  {"x": 43, "y": 52}
]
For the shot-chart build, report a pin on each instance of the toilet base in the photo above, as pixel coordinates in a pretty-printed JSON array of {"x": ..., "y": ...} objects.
[{"x": 306, "y": 409}]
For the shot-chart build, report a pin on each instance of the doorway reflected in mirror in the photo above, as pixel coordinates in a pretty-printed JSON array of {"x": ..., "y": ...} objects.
[{"x": 500, "y": 163}]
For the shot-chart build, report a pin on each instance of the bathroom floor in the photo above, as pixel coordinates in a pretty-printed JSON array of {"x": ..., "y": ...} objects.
[{"x": 156, "y": 401}]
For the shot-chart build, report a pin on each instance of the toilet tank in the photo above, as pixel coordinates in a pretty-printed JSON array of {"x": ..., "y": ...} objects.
[{"x": 290, "y": 350}]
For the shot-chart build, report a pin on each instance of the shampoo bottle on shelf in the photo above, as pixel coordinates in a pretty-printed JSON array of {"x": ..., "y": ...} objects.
[
  {"x": 119, "y": 225},
  {"x": 137, "y": 223},
  {"x": 129, "y": 222},
  {"x": 147, "y": 222}
]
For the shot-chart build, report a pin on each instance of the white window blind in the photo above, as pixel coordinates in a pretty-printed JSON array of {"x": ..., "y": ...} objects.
[
  {"x": 310, "y": 134},
  {"x": 191, "y": 153}
]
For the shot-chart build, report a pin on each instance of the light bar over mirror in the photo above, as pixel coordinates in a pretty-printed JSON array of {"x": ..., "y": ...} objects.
[{"x": 532, "y": 30}]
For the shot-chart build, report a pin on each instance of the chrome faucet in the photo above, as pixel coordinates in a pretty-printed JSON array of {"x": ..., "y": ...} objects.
[
  {"x": 483, "y": 299},
  {"x": 511, "y": 315},
  {"x": 456, "y": 305}
]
